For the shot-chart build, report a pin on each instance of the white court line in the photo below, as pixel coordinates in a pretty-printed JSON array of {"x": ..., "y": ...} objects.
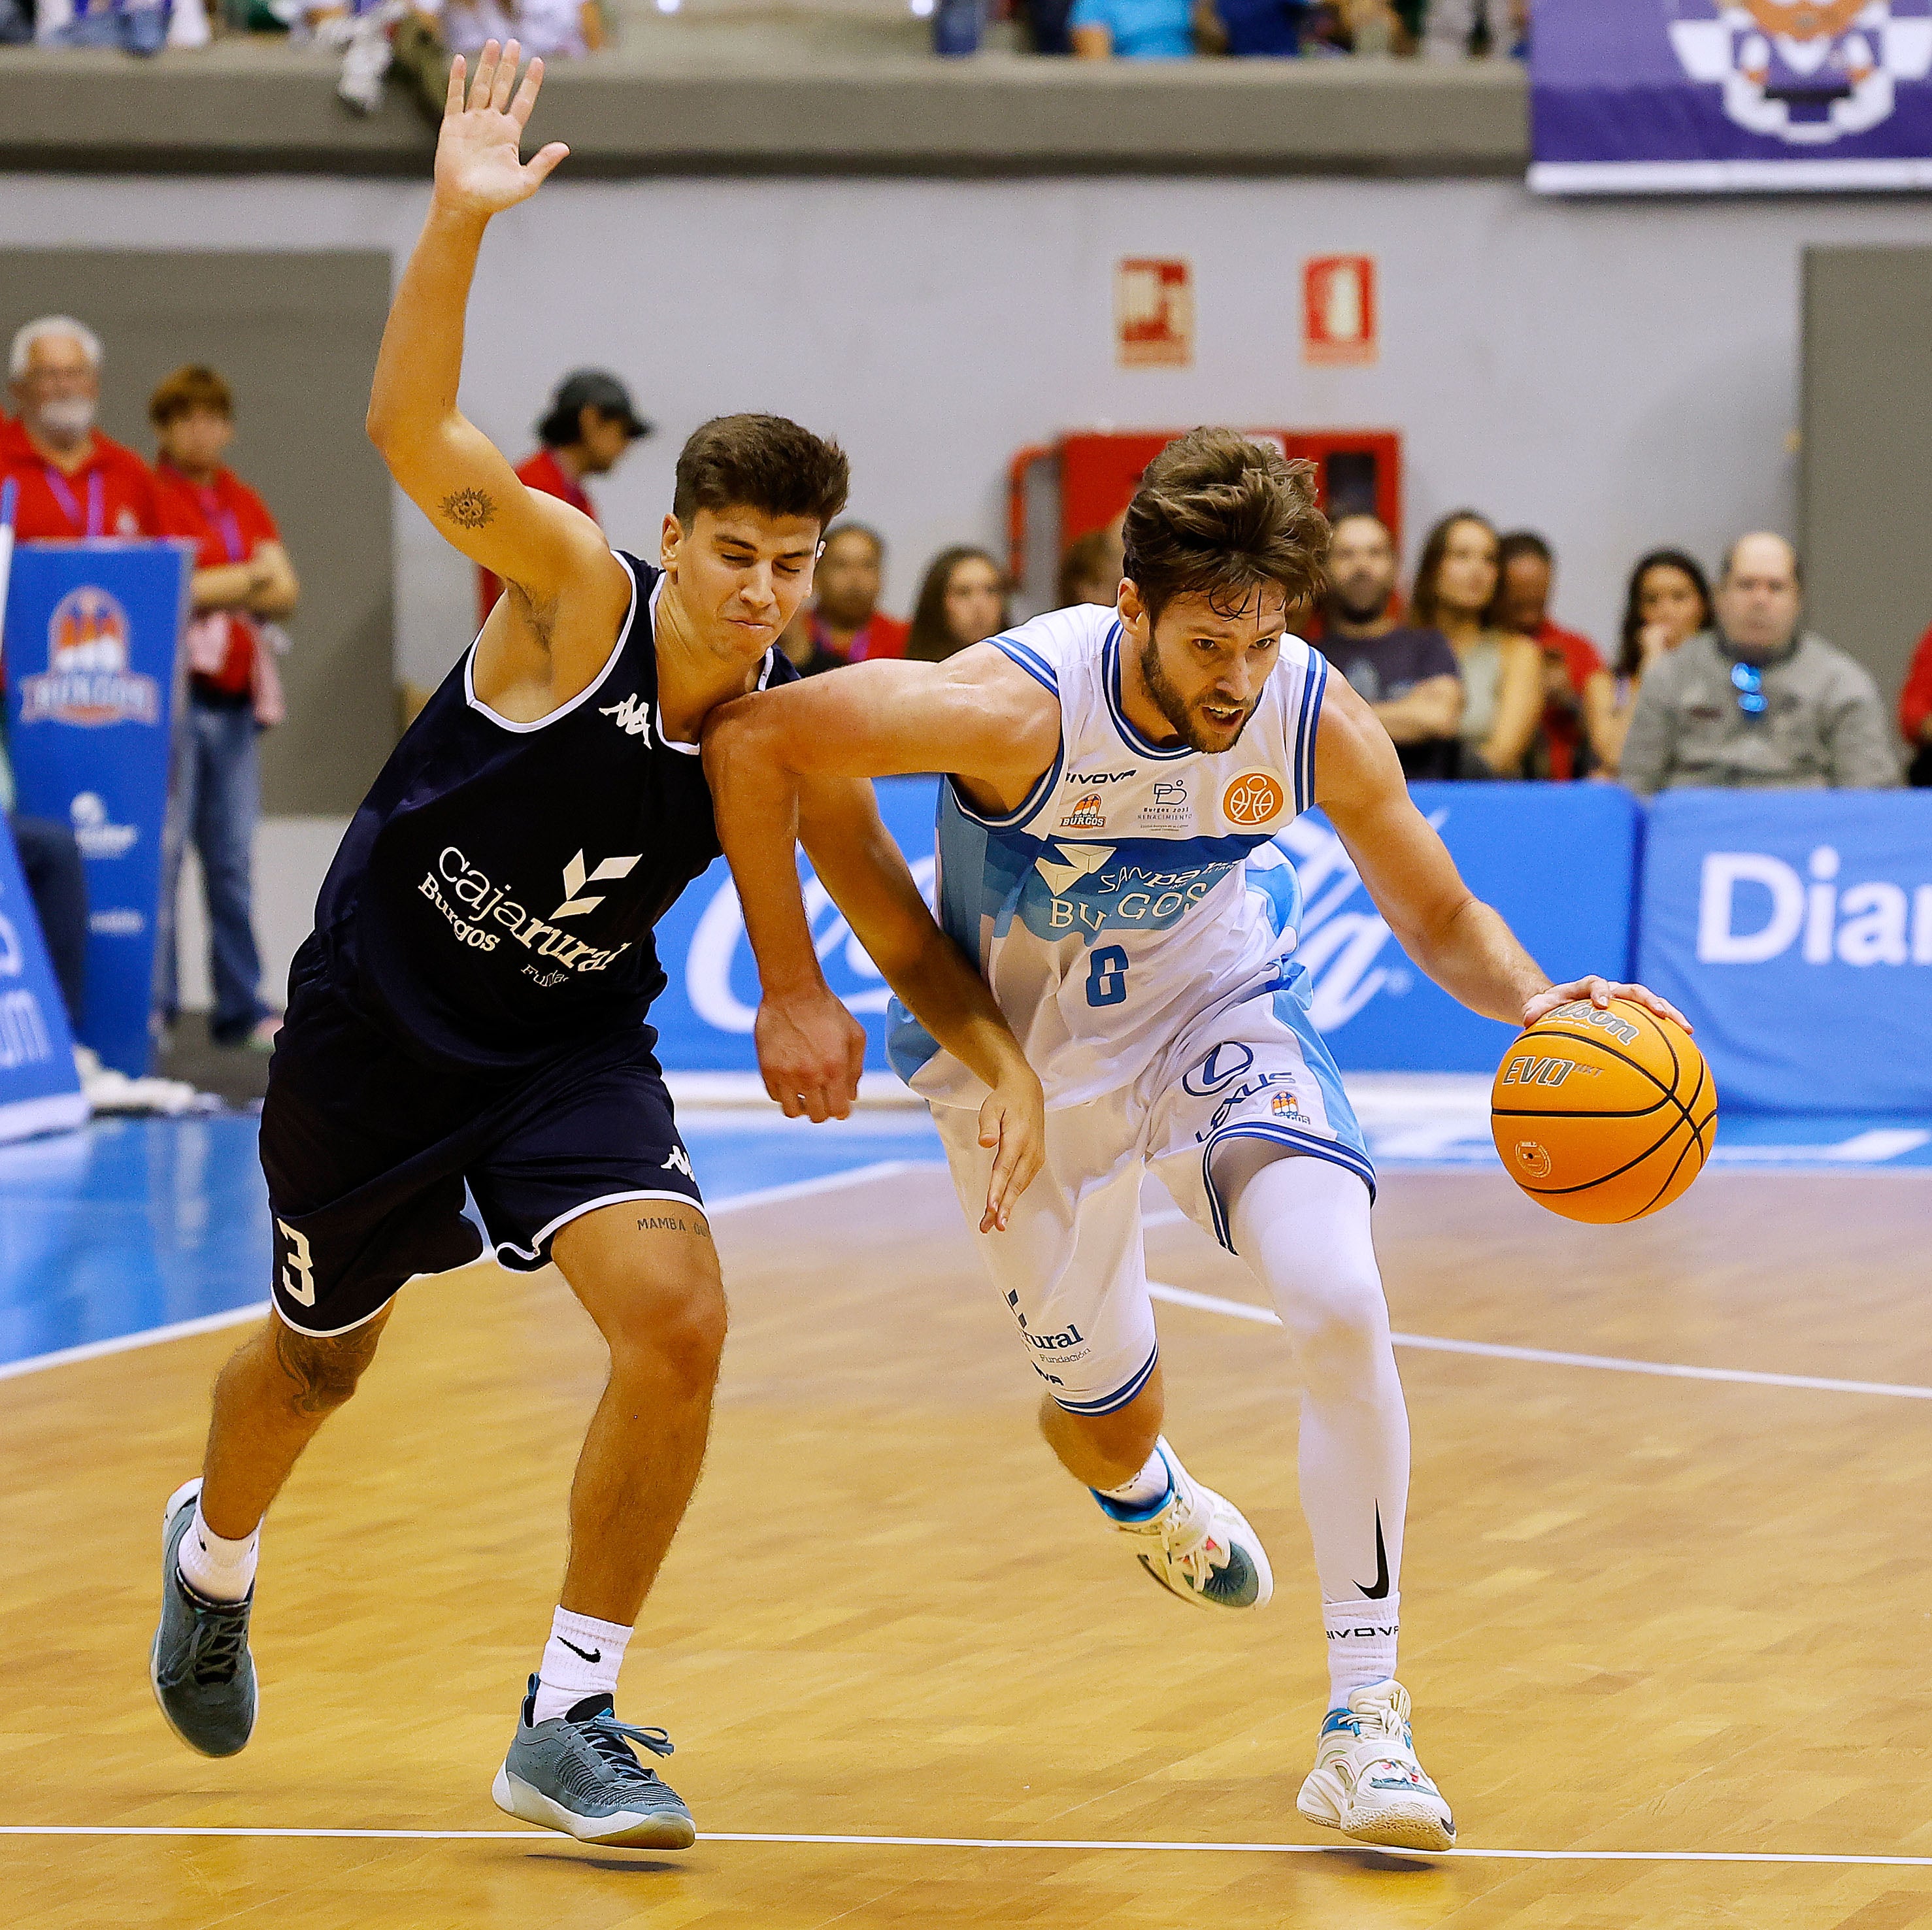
[
  {"x": 1085, "y": 1843},
  {"x": 257, "y": 1310},
  {"x": 1246, "y": 1310}
]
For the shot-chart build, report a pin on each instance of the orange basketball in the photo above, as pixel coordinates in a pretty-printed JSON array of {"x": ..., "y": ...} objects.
[{"x": 1603, "y": 1116}]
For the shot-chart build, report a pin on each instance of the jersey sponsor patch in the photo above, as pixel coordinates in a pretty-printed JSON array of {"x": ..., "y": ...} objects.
[{"x": 1255, "y": 797}]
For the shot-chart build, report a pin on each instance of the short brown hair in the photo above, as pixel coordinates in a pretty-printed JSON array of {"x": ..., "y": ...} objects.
[
  {"x": 763, "y": 462},
  {"x": 1219, "y": 516},
  {"x": 189, "y": 389}
]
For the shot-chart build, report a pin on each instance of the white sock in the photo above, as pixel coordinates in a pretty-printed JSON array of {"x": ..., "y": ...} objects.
[
  {"x": 1150, "y": 1485},
  {"x": 582, "y": 1657},
  {"x": 1302, "y": 1225},
  {"x": 216, "y": 1568},
  {"x": 1361, "y": 1644}
]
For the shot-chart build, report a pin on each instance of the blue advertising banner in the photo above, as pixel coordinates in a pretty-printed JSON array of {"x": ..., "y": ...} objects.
[
  {"x": 1794, "y": 930},
  {"x": 40, "y": 1091},
  {"x": 91, "y": 633},
  {"x": 704, "y": 1018},
  {"x": 1557, "y": 860},
  {"x": 1631, "y": 96}
]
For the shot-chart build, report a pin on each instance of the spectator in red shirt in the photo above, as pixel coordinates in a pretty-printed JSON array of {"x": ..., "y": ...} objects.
[
  {"x": 73, "y": 481},
  {"x": 845, "y": 624},
  {"x": 1915, "y": 713},
  {"x": 590, "y": 423},
  {"x": 243, "y": 581},
  {"x": 1578, "y": 694}
]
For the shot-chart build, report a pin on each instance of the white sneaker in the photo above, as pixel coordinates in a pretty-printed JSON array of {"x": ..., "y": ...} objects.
[
  {"x": 1366, "y": 1782},
  {"x": 1196, "y": 1543}
]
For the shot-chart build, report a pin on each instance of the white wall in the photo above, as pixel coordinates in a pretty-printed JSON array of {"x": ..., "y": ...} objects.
[{"x": 1616, "y": 374}]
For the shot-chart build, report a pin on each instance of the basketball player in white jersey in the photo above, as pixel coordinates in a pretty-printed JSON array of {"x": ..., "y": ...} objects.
[{"x": 1106, "y": 852}]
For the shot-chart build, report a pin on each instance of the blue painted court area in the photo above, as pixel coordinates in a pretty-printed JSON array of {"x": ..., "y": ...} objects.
[{"x": 132, "y": 1225}]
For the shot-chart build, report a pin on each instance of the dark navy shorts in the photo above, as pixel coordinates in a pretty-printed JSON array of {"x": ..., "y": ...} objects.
[{"x": 367, "y": 1151}]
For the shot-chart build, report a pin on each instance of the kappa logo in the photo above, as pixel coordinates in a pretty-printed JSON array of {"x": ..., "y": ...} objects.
[
  {"x": 575, "y": 878},
  {"x": 1253, "y": 798},
  {"x": 631, "y": 717},
  {"x": 679, "y": 1162},
  {"x": 1805, "y": 72},
  {"x": 1088, "y": 815}
]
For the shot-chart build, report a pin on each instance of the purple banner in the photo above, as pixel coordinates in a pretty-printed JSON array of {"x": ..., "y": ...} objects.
[{"x": 1635, "y": 96}]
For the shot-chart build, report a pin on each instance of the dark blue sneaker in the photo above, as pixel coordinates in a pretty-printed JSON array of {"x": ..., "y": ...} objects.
[
  {"x": 203, "y": 1674},
  {"x": 576, "y": 1773}
]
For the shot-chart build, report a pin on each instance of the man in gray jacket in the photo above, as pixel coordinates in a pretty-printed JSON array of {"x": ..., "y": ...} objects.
[{"x": 1755, "y": 702}]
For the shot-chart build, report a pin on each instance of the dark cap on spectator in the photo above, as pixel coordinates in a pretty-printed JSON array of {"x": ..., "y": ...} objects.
[{"x": 589, "y": 388}]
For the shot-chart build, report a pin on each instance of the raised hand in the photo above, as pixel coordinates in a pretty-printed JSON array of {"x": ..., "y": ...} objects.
[{"x": 479, "y": 165}]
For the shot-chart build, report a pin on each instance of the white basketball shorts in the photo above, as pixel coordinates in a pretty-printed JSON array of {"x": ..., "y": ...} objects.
[{"x": 1070, "y": 1265}]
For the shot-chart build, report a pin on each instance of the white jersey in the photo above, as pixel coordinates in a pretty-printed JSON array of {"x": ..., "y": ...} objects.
[{"x": 1135, "y": 888}]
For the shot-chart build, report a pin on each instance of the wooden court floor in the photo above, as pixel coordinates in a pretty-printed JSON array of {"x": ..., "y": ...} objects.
[{"x": 1681, "y": 1618}]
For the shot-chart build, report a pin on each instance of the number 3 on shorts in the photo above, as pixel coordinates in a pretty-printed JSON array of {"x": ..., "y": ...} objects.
[
  {"x": 1107, "y": 977},
  {"x": 298, "y": 1276}
]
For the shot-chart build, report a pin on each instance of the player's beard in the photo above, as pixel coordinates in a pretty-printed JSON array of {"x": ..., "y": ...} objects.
[{"x": 1192, "y": 730}]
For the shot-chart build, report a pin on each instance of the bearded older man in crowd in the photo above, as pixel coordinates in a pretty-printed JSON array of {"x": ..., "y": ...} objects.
[{"x": 1756, "y": 702}]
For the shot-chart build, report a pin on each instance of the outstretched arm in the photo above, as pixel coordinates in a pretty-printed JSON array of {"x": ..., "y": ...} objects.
[
  {"x": 447, "y": 467},
  {"x": 978, "y": 716},
  {"x": 858, "y": 862},
  {"x": 1463, "y": 945}
]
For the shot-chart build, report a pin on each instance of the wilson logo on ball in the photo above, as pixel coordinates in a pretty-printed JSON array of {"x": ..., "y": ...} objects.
[
  {"x": 1533, "y": 1159},
  {"x": 1252, "y": 798}
]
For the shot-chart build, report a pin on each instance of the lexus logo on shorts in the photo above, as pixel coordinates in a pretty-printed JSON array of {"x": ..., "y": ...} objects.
[
  {"x": 1253, "y": 798},
  {"x": 1225, "y": 1062}
]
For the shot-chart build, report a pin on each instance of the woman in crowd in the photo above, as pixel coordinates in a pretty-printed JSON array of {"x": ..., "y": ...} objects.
[
  {"x": 1502, "y": 674},
  {"x": 242, "y": 581},
  {"x": 1668, "y": 602},
  {"x": 962, "y": 602}
]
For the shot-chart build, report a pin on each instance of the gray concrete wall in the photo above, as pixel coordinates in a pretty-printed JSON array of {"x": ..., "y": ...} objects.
[
  {"x": 1868, "y": 469},
  {"x": 1616, "y": 374}
]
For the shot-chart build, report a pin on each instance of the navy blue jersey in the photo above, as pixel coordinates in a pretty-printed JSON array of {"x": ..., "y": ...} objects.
[{"x": 492, "y": 905}]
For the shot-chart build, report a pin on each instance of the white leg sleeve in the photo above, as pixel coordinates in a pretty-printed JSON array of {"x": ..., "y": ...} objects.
[{"x": 1302, "y": 1225}]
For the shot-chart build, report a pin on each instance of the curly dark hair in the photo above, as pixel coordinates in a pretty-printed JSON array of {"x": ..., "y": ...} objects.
[
  {"x": 1218, "y": 516},
  {"x": 764, "y": 463}
]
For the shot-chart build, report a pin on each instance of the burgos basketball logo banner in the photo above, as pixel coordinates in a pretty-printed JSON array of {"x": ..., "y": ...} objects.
[
  {"x": 91, "y": 637},
  {"x": 1631, "y": 95}
]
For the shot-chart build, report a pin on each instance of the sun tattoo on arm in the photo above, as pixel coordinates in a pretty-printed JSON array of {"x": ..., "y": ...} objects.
[{"x": 468, "y": 508}]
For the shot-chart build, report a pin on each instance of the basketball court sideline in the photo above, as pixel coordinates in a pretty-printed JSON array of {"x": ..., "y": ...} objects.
[{"x": 1650, "y": 1627}]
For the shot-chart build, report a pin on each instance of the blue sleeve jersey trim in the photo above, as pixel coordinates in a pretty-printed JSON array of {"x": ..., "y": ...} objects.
[
  {"x": 1314, "y": 686},
  {"x": 1030, "y": 660}
]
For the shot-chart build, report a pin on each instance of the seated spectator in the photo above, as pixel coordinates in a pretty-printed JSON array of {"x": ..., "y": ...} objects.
[
  {"x": 73, "y": 481},
  {"x": 590, "y": 424},
  {"x": 845, "y": 624},
  {"x": 1502, "y": 674},
  {"x": 242, "y": 581},
  {"x": 1258, "y": 29},
  {"x": 1667, "y": 603},
  {"x": 1407, "y": 676},
  {"x": 1755, "y": 702},
  {"x": 556, "y": 29},
  {"x": 962, "y": 602},
  {"x": 1464, "y": 29},
  {"x": 1134, "y": 29},
  {"x": 1091, "y": 569},
  {"x": 1577, "y": 692},
  {"x": 1915, "y": 713}
]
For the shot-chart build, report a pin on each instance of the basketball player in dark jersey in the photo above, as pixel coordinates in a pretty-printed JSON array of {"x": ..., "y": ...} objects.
[{"x": 471, "y": 1006}]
